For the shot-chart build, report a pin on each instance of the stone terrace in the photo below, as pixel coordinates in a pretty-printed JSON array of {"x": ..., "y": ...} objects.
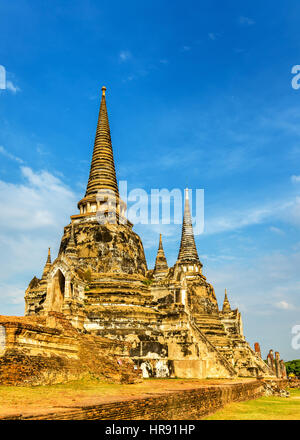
[{"x": 151, "y": 399}]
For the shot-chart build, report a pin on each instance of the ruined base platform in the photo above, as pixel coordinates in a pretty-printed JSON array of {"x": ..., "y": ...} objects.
[
  {"x": 153, "y": 399},
  {"x": 49, "y": 350}
]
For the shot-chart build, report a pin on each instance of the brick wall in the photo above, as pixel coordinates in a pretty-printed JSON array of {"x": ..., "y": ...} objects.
[
  {"x": 187, "y": 404},
  {"x": 34, "y": 353}
]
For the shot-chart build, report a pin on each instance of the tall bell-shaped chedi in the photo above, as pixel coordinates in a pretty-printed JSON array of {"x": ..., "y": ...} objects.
[
  {"x": 198, "y": 295},
  {"x": 188, "y": 255},
  {"x": 101, "y": 259},
  {"x": 105, "y": 242},
  {"x": 102, "y": 172},
  {"x": 189, "y": 268},
  {"x": 102, "y": 188}
]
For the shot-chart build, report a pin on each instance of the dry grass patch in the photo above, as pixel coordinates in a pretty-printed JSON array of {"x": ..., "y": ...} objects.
[{"x": 264, "y": 408}]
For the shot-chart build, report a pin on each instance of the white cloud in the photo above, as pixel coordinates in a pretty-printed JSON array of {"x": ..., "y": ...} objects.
[
  {"x": 238, "y": 219},
  {"x": 186, "y": 48},
  {"x": 264, "y": 288},
  {"x": 246, "y": 21},
  {"x": 14, "y": 293},
  {"x": 6, "y": 84},
  {"x": 9, "y": 155},
  {"x": 33, "y": 215},
  {"x": 36, "y": 203},
  {"x": 265, "y": 280},
  {"x": 276, "y": 230},
  {"x": 12, "y": 87},
  {"x": 125, "y": 55},
  {"x": 290, "y": 212},
  {"x": 284, "y": 210},
  {"x": 295, "y": 179},
  {"x": 284, "y": 305}
]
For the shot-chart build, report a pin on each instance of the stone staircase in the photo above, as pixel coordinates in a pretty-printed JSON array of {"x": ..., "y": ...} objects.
[
  {"x": 213, "y": 329},
  {"x": 223, "y": 355}
]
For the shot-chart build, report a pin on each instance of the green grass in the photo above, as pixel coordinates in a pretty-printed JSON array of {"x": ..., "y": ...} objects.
[
  {"x": 43, "y": 399},
  {"x": 82, "y": 386},
  {"x": 264, "y": 408},
  {"x": 87, "y": 391}
]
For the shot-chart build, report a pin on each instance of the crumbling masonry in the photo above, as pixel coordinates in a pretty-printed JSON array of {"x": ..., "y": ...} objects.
[{"x": 163, "y": 322}]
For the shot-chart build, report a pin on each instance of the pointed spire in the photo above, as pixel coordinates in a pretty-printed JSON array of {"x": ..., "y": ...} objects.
[
  {"x": 49, "y": 257},
  {"x": 160, "y": 245},
  {"x": 71, "y": 246},
  {"x": 188, "y": 251},
  {"x": 47, "y": 265},
  {"x": 161, "y": 264},
  {"x": 102, "y": 172},
  {"x": 226, "y": 305}
]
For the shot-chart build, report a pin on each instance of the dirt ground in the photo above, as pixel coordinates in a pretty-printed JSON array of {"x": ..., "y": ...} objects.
[{"x": 17, "y": 400}]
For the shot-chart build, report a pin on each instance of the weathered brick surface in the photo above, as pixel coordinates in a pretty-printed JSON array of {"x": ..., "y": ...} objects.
[
  {"x": 295, "y": 383},
  {"x": 187, "y": 404},
  {"x": 17, "y": 368},
  {"x": 36, "y": 354}
]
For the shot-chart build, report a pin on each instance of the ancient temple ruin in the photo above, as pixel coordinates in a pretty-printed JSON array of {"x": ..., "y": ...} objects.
[{"x": 168, "y": 318}]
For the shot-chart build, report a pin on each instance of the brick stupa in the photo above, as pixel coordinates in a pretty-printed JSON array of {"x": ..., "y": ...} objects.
[{"x": 166, "y": 322}]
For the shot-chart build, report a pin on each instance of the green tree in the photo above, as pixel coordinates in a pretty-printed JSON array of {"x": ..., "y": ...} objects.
[{"x": 293, "y": 367}]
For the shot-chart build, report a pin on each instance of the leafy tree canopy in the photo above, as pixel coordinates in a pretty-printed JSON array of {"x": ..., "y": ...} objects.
[{"x": 293, "y": 367}]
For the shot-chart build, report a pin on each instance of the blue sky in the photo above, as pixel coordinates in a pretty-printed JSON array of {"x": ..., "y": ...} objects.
[{"x": 198, "y": 96}]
